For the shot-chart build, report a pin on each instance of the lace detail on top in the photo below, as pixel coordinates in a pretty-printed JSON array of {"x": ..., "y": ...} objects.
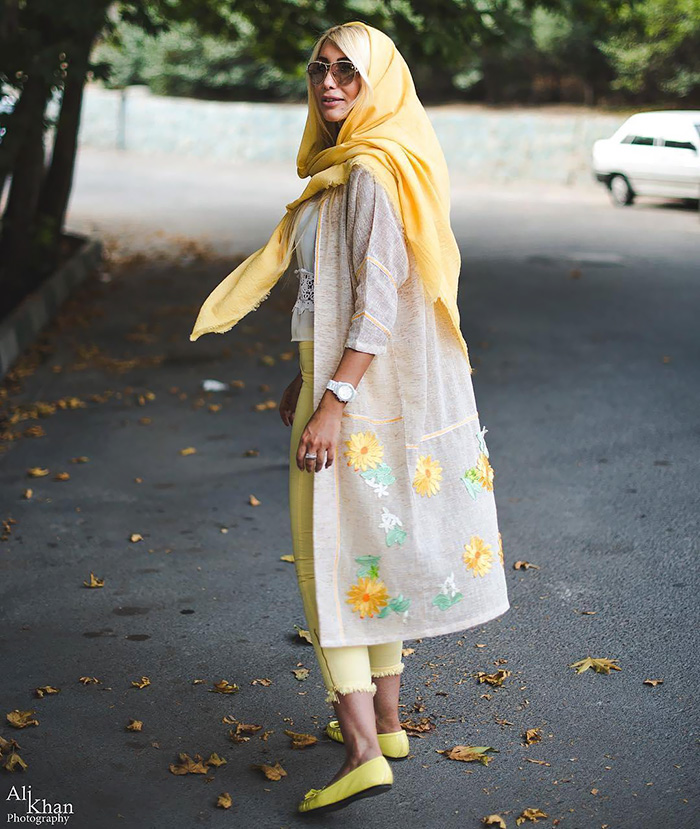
[{"x": 305, "y": 298}]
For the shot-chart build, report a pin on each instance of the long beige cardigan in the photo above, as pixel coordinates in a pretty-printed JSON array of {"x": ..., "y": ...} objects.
[{"x": 405, "y": 532}]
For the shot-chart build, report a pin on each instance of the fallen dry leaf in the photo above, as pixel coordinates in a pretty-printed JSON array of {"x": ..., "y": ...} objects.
[
  {"x": 494, "y": 820},
  {"x": 494, "y": 679},
  {"x": 223, "y": 686},
  {"x": 188, "y": 450},
  {"x": 275, "y": 772},
  {"x": 301, "y": 740},
  {"x": 135, "y": 725},
  {"x": 653, "y": 682},
  {"x": 253, "y": 501},
  {"x": 134, "y": 537},
  {"x": 532, "y": 735},
  {"x": 224, "y": 801},
  {"x": 13, "y": 762},
  {"x": 89, "y": 680},
  {"x": 600, "y": 666},
  {"x": 417, "y": 729},
  {"x": 242, "y": 729},
  {"x": 94, "y": 581},
  {"x": 37, "y": 472},
  {"x": 80, "y": 459},
  {"x": 524, "y": 565},
  {"x": 287, "y": 557},
  {"x": 530, "y": 814},
  {"x": 468, "y": 754},
  {"x": 189, "y": 765},
  {"x": 215, "y": 760},
  {"x": 21, "y": 719},
  {"x": 27, "y": 494},
  {"x": 304, "y": 634},
  {"x": 266, "y": 682},
  {"x": 46, "y": 690},
  {"x": 141, "y": 683},
  {"x": 61, "y": 476},
  {"x": 301, "y": 673}
]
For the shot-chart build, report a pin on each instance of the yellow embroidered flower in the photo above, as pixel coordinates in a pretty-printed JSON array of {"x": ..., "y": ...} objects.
[
  {"x": 364, "y": 452},
  {"x": 484, "y": 472},
  {"x": 368, "y": 596},
  {"x": 478, "y": 556},
  {"x": 427, "y": 477},
  {"x": 500, "y": 550}
]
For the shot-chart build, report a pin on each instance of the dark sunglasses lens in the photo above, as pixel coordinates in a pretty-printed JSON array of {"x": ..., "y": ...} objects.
[
  {"x": 344, "y": 72},
  {"x": 317, "y": 71}
]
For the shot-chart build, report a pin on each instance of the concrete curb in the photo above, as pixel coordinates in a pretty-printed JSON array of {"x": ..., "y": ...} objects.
[{"x": 20, "y": 328}]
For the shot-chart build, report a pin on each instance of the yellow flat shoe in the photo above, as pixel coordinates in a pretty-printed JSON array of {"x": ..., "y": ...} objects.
[
  {"x": 368, "y": 779},
  {"x": 393, "y": 744}
]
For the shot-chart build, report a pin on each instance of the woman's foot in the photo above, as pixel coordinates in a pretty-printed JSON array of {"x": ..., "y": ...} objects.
[
  {"x": 388, "y": 725},
  {"x": 353, "y": 762}
]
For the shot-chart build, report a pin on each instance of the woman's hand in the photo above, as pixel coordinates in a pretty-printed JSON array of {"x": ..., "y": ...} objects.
[
  {"x": 288, "y": 404},
  {"x": 320, "y": 436}
]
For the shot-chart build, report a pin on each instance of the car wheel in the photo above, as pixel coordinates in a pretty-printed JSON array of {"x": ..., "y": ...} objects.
[{"x": 620, "y": 190}]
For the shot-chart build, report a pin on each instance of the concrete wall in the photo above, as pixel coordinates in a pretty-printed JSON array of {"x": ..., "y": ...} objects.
[{"x": 479, "y": 143}]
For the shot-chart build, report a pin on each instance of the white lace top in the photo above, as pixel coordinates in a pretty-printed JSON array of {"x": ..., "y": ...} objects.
[{"x": 303, "y": 311}]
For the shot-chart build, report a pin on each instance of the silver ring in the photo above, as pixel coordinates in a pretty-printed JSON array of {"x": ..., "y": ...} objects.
[{"x": 307, "y": 455}]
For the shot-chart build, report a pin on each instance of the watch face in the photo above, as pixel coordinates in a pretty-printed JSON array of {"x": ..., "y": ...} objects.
[{"x": 345, "y": 392}]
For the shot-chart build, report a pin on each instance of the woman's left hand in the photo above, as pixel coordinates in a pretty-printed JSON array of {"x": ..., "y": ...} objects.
[{"x": 319, "y": 438}]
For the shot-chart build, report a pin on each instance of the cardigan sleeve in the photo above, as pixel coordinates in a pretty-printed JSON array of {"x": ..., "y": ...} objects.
[{"x": 379, "y": 263}]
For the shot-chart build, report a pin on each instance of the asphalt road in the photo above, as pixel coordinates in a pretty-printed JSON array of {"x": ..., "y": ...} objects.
[{"x": 582, "y": 321}]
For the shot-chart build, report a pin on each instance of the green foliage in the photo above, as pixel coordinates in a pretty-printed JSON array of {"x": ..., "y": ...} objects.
[
  {"x": 182, "y": 61},
  {"x": 656, "y": 48}
]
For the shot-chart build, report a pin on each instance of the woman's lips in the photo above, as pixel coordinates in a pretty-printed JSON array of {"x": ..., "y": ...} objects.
[{"x": 333, "y": 103}]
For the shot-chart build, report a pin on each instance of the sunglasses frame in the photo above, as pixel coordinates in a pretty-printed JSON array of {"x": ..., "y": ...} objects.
[{"x": 331, "y": 67}]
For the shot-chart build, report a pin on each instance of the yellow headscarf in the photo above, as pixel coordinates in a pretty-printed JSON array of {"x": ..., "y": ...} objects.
[{"x": 394, "y": 137}]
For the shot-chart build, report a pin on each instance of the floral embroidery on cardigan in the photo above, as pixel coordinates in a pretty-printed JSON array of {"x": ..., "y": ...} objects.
[
  {"x": 481, "y": 441},
  {"x": 391, "y": 524},
  {"x": 448, "y": 595},
  {"x": 365, "y": 453},
  {"x": 479, "y": 478},
  {"x": 500, "y": 551},
  {"x": 369, "y": 594},
  {"x": 477, "y": 556},
  {"x": 427, "y": 476}
]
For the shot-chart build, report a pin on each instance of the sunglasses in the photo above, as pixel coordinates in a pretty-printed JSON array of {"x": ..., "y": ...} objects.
[{"x": 343, "y": 71}]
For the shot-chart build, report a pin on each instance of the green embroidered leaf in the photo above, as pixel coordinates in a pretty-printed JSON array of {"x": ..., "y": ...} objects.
[
  {"x": 381, "y": 474},
  {"x": 471, "y": 484},
  {"x": 395, "y": 536},
  {"x": 444, "y": 602},
  {"x": 369, "y": 568},
  {"x": 383, "y": 612},
  {"x": 399, "y": 603}
]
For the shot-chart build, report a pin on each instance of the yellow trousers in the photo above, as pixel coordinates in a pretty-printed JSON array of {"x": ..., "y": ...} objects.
[{"x": 344, "y": 669}]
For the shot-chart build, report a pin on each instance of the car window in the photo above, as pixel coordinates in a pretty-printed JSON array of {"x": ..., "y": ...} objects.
[
  {"x": 679, "y": 145},
  {"x": 644, "y": 140}
]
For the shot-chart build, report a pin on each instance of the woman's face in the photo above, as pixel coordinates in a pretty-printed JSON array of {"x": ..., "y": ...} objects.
[{"x": 333, "y": 100}]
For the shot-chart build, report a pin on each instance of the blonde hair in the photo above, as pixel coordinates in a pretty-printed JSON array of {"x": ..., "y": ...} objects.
[{"x": 353, "y": 41}]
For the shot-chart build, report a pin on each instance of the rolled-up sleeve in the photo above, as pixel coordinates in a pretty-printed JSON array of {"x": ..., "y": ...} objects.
[{"x": 380, "y": 263}]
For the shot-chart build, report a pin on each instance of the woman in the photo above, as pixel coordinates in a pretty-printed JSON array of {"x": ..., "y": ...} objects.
[{"x": 393, "y": 516}]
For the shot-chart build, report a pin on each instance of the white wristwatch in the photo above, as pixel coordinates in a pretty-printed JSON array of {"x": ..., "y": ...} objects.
[{"x": 344, "y": 391}]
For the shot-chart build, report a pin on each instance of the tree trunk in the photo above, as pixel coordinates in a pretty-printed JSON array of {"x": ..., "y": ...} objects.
[
  {"x": 56, "y": 189},
  {"x": 27, "y": 173}
]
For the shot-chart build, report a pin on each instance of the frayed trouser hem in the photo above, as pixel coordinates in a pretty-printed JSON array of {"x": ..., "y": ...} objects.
[
  {"x": 332, "y": 695},
  {"x": 393, "y": 671}
]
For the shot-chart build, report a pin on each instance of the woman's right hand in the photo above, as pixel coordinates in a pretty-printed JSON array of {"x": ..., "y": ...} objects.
[{"x": 288, "y": 404}]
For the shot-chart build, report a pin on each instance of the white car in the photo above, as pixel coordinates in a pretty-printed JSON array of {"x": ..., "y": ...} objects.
[{"x": 651, "y": 154}]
